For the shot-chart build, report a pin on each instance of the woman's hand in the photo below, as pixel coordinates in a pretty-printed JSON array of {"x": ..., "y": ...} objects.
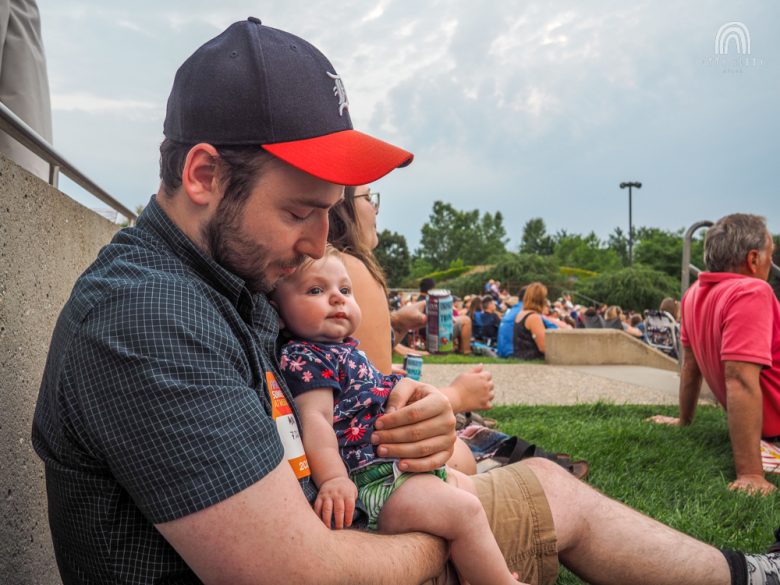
[
  {"x": 471, "y": 390},
  {"x": 408, "y": 317},
  {"x": 398, "y": 369},
  {"x": 418, "y": 427}
]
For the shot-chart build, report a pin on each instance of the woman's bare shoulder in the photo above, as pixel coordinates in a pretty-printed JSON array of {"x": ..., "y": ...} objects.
[
  {"x": 533, "y": 317},
  {"x": 354, "y": 264},
  {"x": 363, "y": 282}
]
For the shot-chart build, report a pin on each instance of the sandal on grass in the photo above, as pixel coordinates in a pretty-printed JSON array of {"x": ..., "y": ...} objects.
[
  {"x": 517, "y": 449},
  {"x": 464, "y": 419},
  {"x": 492, "y": 448},
  {"x": 482, "y": 441}
]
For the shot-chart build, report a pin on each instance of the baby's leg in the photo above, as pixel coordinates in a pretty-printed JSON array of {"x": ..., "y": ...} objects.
[
  {"x": 460, "y": 480},
  {"x": 425, "y": 503}
]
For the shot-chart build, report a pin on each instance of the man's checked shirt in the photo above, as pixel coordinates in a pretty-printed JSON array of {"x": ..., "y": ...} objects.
[{"x": 154, "y": 403}]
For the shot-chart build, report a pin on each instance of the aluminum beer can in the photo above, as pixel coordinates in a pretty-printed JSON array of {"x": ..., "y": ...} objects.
[
  {"x": 413, "y": 366},
  {"x": 439, "y": 329}
]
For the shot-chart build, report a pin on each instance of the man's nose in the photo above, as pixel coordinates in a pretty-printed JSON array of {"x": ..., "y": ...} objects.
[{"x": 313, "y": 240}]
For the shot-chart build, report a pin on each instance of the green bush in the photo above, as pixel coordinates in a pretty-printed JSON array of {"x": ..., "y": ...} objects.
[
  {"x": 577, "y": 273},
  {"x": 514, "y": 271},
  {"x": 467, "y": 284},
  {"x": 444, "y": 275},
  {"x": 637, "y": 287}
]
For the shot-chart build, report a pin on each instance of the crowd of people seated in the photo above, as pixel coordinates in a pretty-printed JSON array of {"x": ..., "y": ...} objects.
[{"x": 497, "y": 323}]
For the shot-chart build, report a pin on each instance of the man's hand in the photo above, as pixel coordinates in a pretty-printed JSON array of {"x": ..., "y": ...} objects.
[
  {"x": 336, "y": 500},
  {"x": 753, "y": 484},
  {"x": 473, "y": 389},
  {"x": 418, "y": 427},
  {"x": 660, "y": 419}
]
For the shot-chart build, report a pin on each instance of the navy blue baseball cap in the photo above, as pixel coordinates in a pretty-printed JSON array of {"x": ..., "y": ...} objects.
[{"x": 256, "y": 85}]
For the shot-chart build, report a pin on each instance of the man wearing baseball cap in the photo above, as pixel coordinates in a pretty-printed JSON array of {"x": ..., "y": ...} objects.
[{"x": 170, "y": 443}]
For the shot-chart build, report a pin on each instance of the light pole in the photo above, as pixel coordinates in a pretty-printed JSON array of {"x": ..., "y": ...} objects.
[{"x": 630, "y": 185}]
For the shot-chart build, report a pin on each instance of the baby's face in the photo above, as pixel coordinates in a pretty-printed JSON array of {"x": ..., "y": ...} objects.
[{"x": 316, "y": 302}]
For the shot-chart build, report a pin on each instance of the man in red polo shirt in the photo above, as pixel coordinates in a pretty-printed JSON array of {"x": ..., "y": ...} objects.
[{"x": 731, "y": 337}]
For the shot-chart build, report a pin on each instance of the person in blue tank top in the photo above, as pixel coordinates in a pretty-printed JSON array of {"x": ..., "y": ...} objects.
[{"x": 506, "y": 329}]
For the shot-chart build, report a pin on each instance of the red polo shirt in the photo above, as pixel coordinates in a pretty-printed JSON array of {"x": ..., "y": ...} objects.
[{"x": 731, "y": 317}]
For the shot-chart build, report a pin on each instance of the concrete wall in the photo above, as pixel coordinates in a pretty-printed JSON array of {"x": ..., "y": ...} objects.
[
  {"x": 46, "y": 241},
  {"x": 602, "y": 347}
]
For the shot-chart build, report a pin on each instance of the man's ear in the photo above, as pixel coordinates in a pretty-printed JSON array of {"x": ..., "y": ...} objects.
[
  {"x": 199, "y": 175},
  {"x": 752, "y": 261}
]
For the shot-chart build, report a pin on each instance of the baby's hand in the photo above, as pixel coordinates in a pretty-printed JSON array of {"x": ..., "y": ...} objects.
[
  {"x": 336, "y": 500},
  {"x": 475, "y": 389}
]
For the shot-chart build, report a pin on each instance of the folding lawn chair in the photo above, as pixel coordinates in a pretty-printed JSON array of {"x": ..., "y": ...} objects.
[{"x": 663, "y": 332}]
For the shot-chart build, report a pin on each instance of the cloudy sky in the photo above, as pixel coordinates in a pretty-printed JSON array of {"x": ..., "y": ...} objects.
[{"x": 534, "y": 109}]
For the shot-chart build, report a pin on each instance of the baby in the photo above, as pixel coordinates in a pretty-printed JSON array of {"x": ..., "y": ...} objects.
[{"x": 340, "y": 395}]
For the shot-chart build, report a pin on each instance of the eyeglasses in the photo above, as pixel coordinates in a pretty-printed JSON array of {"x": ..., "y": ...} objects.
[{"x": 373, "y": 199}]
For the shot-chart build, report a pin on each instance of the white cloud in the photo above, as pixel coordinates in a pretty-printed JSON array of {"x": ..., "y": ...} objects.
[{"x": 375, "y": 12}]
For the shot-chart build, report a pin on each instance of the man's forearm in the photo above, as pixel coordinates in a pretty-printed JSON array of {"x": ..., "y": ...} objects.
[
  {"x": 406, "y": 558},
  {"x": 690, "y": 387},
  {"x": 269, "y": 533},
  {"x": 744, "y": 419}
]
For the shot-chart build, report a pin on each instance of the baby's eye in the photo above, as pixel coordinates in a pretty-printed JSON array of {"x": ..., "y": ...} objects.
[
  {"x": 345, "y": 290},
  {"x": 315, "y": 290}
]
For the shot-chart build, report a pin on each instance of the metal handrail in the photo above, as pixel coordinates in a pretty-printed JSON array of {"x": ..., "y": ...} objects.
[
  {"x": 14, "y": 126},
  {"x": 688, "y": 268},
  {"x": 593, "y": 302}
]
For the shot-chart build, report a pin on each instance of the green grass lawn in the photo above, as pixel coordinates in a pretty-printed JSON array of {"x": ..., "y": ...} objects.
[{"x": 676, "y": 475}]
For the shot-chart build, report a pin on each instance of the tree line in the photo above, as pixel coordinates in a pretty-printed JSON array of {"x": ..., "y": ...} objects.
[{"x": 464, "y": 248}]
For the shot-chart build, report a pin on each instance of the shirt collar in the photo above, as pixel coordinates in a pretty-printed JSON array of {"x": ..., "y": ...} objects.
[
  {"x": 155, "y": 220},
  {"x": 717, "y": 277}
]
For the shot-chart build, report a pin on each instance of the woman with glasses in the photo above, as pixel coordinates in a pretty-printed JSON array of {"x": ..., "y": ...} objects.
[{"x": 353, "y": 232}]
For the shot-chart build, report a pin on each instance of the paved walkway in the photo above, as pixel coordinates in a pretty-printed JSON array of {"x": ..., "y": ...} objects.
[{"x": 545, "y": 384}]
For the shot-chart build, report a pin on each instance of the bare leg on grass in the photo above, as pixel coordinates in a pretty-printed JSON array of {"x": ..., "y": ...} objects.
[{"x": 608, "y": 543}]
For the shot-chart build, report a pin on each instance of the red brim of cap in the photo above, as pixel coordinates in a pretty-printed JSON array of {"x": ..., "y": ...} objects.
[{"x": 348, "y": 157}]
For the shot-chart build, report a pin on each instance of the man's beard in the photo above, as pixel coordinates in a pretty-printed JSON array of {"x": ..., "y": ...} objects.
[{"x": 240, "y": 255}]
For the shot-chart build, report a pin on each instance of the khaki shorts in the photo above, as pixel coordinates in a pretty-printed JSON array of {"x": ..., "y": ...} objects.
[{"x": 521, "y": 522}]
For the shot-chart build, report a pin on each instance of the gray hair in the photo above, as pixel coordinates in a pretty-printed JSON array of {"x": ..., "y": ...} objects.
[{"x": 728, "y": 242}]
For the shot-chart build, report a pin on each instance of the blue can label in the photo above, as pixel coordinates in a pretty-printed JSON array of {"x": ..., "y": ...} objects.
[{"x": 413, "y": 366}]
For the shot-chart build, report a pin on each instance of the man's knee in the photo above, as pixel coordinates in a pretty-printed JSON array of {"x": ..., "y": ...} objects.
[{"x": 544, "y": 468}]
